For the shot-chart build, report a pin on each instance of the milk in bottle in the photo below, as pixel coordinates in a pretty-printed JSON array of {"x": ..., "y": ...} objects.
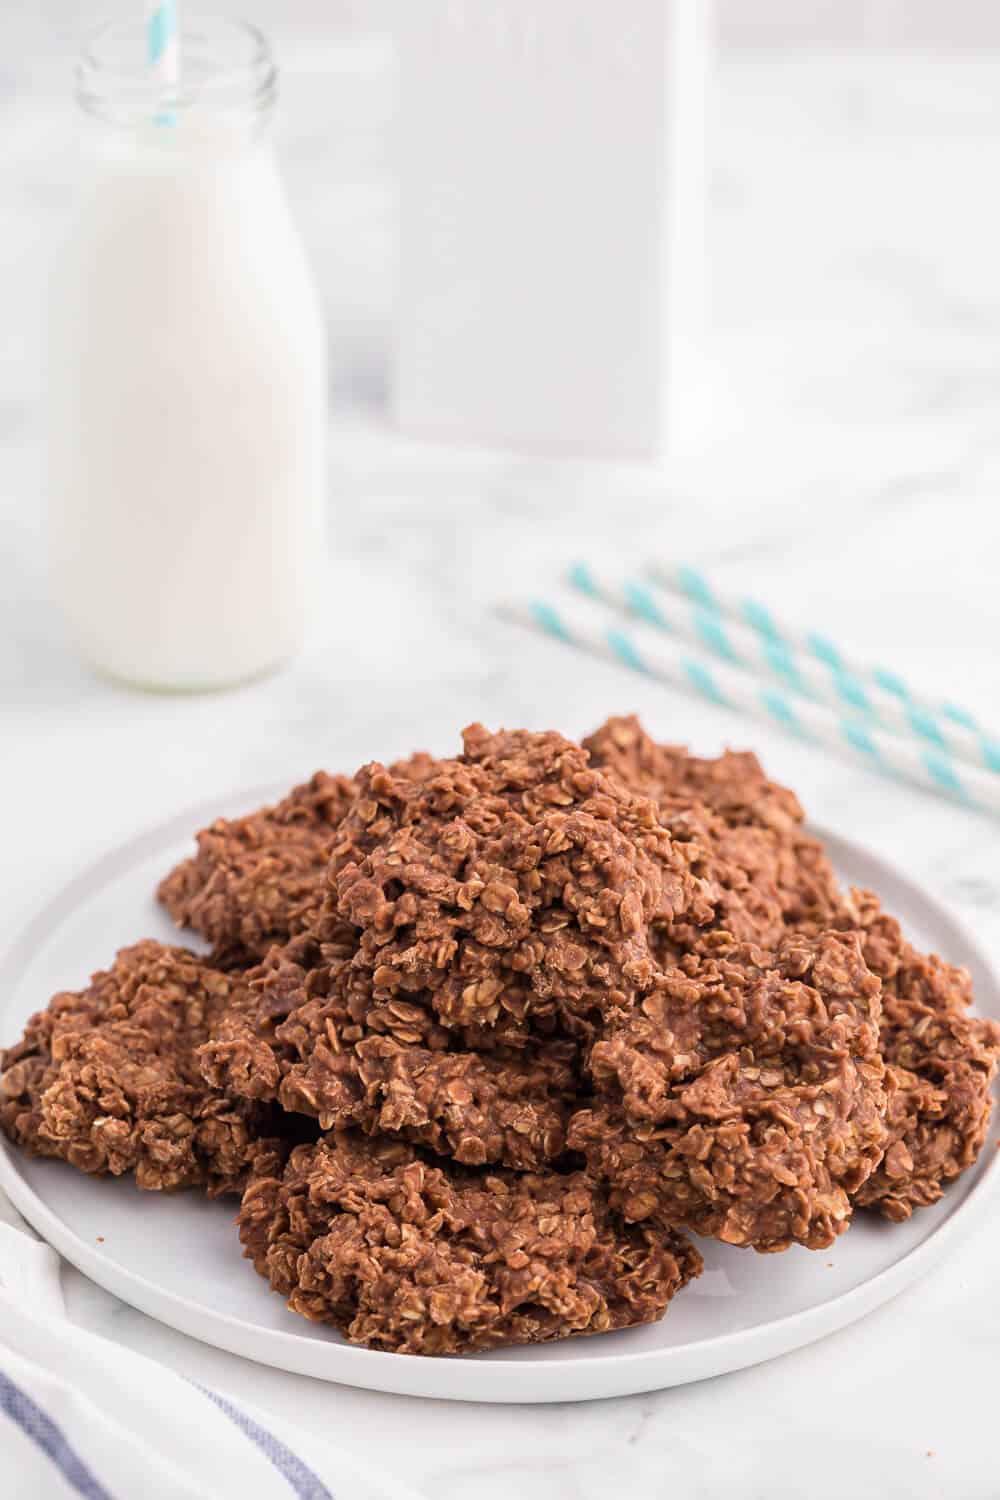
[{"x": 187, "y": 375}]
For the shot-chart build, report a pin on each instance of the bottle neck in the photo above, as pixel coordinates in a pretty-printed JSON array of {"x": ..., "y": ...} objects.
[{"x": 221, "y": 92}]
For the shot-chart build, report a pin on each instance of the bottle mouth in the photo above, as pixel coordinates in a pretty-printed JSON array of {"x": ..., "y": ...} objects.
[{"x": 225, "y": 69}]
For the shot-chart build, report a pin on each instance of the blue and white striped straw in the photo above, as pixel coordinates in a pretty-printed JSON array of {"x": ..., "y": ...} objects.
[
  {"x": 873, "y": 693},
  {"x": 163, "y": 49},
  {"x": 642, "y": 650},
  {"x": 684, "y": 616}
]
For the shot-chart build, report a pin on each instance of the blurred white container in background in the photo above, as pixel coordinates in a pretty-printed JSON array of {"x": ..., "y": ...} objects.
[
  {"x": 551, "y": 169},
  {"x": 187, "y": 374}
]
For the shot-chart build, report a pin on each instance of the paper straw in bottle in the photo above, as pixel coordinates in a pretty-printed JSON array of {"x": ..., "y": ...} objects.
[{"x": 163, "y": 49}]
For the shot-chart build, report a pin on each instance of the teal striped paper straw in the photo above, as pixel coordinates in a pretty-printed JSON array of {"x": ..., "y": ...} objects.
[
  {"x": 163, "y": 49},
  {"x": 734, "y": 641},
  {"x": 642, "y": 650},
  {"x": 875, "y": 693}
]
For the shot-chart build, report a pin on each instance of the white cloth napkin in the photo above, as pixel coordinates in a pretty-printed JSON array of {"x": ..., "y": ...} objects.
[{"x": 82, "y": 1417}]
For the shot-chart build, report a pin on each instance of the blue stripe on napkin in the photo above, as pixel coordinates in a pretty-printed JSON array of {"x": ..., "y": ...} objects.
[
  {"x": 38, "y": 1426},
  {"x": 306, "y": 1484}
]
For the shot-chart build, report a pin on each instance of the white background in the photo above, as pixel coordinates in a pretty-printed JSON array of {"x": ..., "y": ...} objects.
[
  {"x": 850, "y": 472},
  {"x": 963, "y": 23}
]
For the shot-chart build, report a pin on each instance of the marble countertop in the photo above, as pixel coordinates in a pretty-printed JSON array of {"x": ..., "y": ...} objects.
[{"x": 849, "y": 468}]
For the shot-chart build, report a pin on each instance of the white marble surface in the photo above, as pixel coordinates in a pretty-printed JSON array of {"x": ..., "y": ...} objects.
[{"x": 849, "y": 468}]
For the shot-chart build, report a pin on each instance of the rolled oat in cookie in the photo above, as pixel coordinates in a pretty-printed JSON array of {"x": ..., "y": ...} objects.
[
  {"x": 403, "y": 1255},
  {"x": 745, "y": 1097},
  {"x": 107, "y": 1078}
]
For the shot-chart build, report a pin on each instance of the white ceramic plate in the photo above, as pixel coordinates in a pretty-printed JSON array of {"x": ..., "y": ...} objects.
[{"x": 177, "y": 1258}]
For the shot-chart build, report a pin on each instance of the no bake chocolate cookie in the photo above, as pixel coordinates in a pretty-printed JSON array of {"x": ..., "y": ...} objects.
[
  {"x": 422, "y": 1258},
  {"x": 107, "y": 1077}
]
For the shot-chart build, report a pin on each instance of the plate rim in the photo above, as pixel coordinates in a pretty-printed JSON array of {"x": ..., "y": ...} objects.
[{"x": 512, "y": 1381}]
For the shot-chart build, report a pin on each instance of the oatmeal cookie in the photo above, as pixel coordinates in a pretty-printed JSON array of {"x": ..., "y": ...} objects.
[
  {"x": 107, "y": 1078},
  {"x": 515, "y": 882},
  {"x": 941, "y": 1060},
  {"x": 255, "y": 880},
  {"x": 744, "y": 1098},
  {"x": 942, "y": 1064},
  {"x": 403, "y": 1255}
]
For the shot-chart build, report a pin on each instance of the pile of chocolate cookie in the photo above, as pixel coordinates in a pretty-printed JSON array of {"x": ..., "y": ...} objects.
[{"x": 482, "y": 1040}]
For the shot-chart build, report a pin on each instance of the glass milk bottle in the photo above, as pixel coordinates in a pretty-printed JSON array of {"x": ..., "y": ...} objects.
[{"x": 187, "y": 375}]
